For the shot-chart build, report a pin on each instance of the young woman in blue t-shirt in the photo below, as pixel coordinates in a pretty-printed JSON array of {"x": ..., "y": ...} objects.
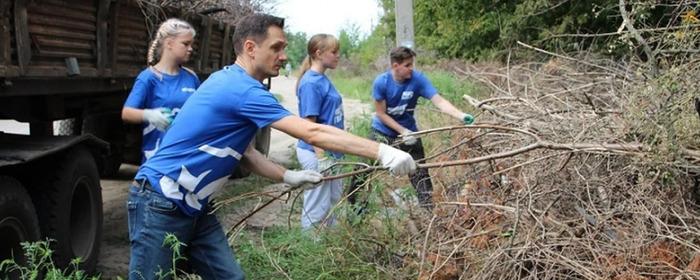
[
  {"x": 319, "y": 102},
  {"x": 161, "y": 89}
]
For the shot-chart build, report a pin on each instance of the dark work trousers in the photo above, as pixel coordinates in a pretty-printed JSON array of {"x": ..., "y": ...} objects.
[{"x": 420, "y": 180}]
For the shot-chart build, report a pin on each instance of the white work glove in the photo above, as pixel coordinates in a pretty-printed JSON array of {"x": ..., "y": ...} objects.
[
  {"x": 158, "y": 117},
  {"x": 408, "y": 139},
  {"x": 324, "y": 163},
  {"x": 306, "y": 179},
  {"x": 398, "y": 161}
]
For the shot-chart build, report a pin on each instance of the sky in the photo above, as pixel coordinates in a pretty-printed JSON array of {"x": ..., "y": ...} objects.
[{"x": 328, "y": 16}]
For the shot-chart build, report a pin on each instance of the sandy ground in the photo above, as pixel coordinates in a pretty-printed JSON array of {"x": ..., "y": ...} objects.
[{"x": 114, "y": 254}]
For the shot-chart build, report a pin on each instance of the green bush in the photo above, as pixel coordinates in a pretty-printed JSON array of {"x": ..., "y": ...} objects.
[{"x": 39, "y": 265}]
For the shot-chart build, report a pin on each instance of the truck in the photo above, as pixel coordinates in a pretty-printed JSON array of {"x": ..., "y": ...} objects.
[{"x": 73, "y": 62}]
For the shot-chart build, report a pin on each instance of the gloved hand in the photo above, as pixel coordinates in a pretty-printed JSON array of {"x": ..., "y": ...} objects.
[
  {"x": 324, "y": 164},
  {"x": 305, "y": 179},
  {"x": 408, "y": 139},
  {"x": 467, "y": 118},
  {"x": 398, "y": 161},
  {"x": 158, "y": 117}
]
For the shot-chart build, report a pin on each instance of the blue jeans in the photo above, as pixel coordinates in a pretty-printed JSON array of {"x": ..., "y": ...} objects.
[{"x": 152, "y": 216}]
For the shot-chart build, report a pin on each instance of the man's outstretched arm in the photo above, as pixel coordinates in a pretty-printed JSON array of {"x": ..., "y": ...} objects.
[
  {"x": 447, "y": 108},
  {"x": 330, "y": 138}
]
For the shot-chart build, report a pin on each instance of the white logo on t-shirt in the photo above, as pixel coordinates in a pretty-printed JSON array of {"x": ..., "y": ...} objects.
[
  {"x": 188, "y": 89},
  {"x": 406, "y": 95},
  {"x": 338, "y": 115},
  {"x": 397, "y": 111}
]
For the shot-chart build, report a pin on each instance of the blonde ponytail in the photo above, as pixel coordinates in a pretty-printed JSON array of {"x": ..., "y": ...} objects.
[
  {"x": 152, "y": 49},
  {"x": 305, "y": 66}
]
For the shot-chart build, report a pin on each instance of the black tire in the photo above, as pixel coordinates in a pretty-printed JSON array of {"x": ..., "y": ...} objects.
[
  {"x": 72, "y": 210},
  {"x": 18, "y": 221}
]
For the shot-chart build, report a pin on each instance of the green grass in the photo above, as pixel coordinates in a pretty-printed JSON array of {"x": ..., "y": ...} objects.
[
  {"x": 360, "y": 87},
  {"x": 280, "y": 252},
  {"x": 354, "y": 87},
  {"x": 357, "y": 248},
  {"x": 452, "y": 87}
]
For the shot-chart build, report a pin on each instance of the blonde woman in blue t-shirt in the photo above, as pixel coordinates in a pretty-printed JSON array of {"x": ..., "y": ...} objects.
[
  {"x": 319, "y": 102},
  {"x": 161, "y": 89}
]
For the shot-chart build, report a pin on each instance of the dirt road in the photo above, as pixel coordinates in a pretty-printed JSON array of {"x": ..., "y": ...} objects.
[{"x": 114, "y": 255}]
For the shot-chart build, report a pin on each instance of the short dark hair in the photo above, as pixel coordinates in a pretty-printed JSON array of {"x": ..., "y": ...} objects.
[
  {"x": 254, "y": 26},
  {"x": 399, "y": 54}
]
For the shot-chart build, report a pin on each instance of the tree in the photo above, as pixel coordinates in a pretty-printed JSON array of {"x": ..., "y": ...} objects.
[
  {"x": 349, "y": 39},
  {"x": 296, "y": 48},
  {"x": 486, "y": 28}
]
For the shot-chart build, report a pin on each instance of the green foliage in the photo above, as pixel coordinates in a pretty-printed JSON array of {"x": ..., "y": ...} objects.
[
  {"x": 359, "y": 247},
  {"x": 364, "y": 54},
  {"x": 387, "y": 24},
  {"x": 458, "y": 28},
  {"x": 176, "y": 246},
  {"x": 360, "y": 126},
  {"x": 353, "y": 86},
  {"x": 349, "y": 40},
  {"x": 451, "y": 87},
  {"x": 299, "y": 255},
  {"x": 296, "y": 48},
  {"x": 662, "y": 115},
  {"x": 487, "y": 29},
  {"x": 40, "y": 266},
  {"x": 374, "y": 48}
]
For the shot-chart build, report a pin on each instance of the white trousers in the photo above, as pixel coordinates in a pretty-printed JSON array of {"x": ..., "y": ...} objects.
[{"x": 318, "y": 201}]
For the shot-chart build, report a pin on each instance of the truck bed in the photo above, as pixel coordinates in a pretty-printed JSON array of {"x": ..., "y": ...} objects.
[{"x": 107, "y": 38}]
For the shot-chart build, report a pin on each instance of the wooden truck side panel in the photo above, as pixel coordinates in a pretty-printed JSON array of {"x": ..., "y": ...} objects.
[{"x": 108, "y": 39}]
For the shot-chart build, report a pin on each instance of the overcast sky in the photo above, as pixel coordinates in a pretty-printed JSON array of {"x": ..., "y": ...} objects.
[{"x": 328, "y": 16}]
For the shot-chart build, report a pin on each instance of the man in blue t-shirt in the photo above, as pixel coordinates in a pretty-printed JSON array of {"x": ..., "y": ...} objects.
[
  {"x": 209, "y": 138},
  {"x": 395, "y": 95}
]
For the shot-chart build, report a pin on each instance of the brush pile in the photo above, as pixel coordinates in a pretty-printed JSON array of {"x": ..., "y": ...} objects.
[{"x": 591, "y": 174}]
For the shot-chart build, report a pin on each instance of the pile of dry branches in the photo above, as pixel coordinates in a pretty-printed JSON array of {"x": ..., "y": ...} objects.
[
  {"x": 229, "y": 11},
  {"x": 587, "y": 171}
]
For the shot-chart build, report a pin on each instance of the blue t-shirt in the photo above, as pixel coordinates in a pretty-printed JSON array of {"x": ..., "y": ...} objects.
[
  {"x": 209, "y": 136},
  {"x": 400, "y": 99},
  {"x": 319, "y": 98},
  {"x": 167, "y": 91}
]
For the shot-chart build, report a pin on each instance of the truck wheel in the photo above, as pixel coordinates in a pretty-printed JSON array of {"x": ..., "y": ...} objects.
[
  {"x": 72, "y": 210},
  {"x": 18, "y": 221}
]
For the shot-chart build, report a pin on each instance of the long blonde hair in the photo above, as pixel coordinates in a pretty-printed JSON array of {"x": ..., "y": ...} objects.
[
  {"x": 318, "y": 42},
  {"x": 169, "y": 28}
]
